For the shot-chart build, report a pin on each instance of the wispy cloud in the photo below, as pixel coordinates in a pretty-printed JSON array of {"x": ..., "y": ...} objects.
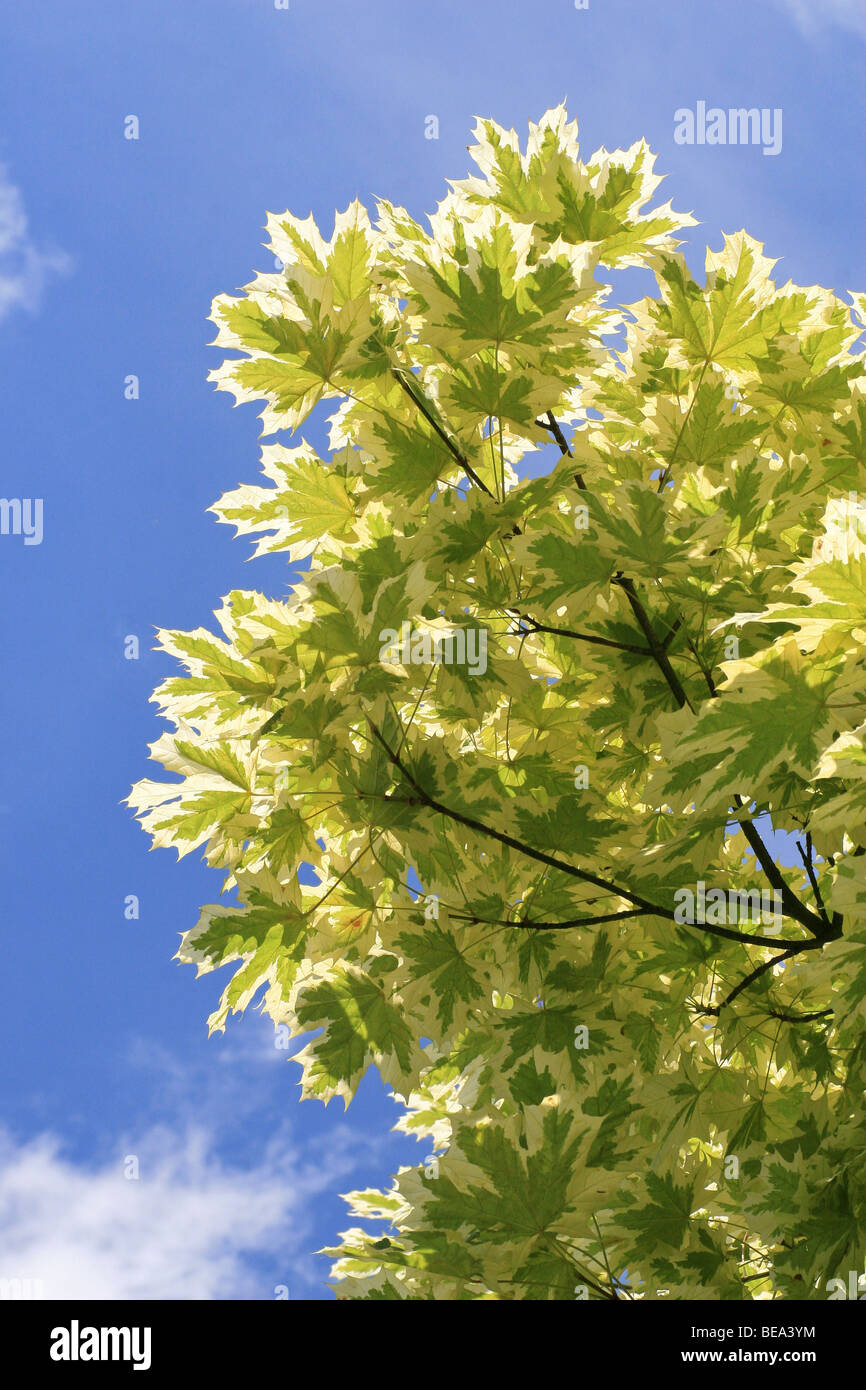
[
  {"x": 24, "y": 266},
  {"x": 189, "y": 1227},
  {"x": 812, "y": 15}
]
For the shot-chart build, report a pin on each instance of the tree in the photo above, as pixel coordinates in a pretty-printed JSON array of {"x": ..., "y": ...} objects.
[{"x": 533, "y": 734}]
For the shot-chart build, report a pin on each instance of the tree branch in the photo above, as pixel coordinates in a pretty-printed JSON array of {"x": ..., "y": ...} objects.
[
  {"x": 707, "y": 675},
  {"x": 401, "y": 380},
  {"x": 756, "y": 974},
  {"x": 656, "y": 647},
  {"x": 820, "y": 927},
  {"x": 549, "y": 926},
  {"x": 556, "y": 431},
  {"x": 802, "y": 1018},
  {"x": 791, "y": 904},
  {"x": 579, "y": 636},
  {"x": 553, "y": 425},
  {"x": 651, "y": 909},
  {"x": 810, "y": 870}
]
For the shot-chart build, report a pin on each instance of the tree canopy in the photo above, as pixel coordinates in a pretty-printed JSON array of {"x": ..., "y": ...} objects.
[{"x": 582, "y": 627}]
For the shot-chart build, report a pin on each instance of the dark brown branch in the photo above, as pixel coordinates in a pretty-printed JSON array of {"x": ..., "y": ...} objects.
[
  {"x": 508, "y": 840},
  {"x": 580, "y": 636},
  {"x": 657, "y": 650},
  {"x": 525, "y": 922},
  {"x": 756, "y": 974},
  {"x": 802, "y": 1018},
  {"x": 443, "y": 434},
  {"x": 651, "y": 909},
  {"x": 707, "y": 675},
  {"x": 747, "y": 938},
  {"x": 553, "y": 425},
  {"x": 556, "y": 431},
  {"x": 810, "y": 870},
  {"x": 744, "y": 939},
  {"x": 791, "y": 904}
]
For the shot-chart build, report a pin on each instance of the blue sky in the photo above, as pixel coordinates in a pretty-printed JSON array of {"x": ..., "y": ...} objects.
[{"x": 110, "y": 253}]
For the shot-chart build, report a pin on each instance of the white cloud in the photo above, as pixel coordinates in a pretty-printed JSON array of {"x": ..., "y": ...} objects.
[
  {"x": 195, "y": 1224},
  {"x": 811, "y": 15},
  {"x": 24, "y": 268},
  {"x": 189, "y": 1227}
]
